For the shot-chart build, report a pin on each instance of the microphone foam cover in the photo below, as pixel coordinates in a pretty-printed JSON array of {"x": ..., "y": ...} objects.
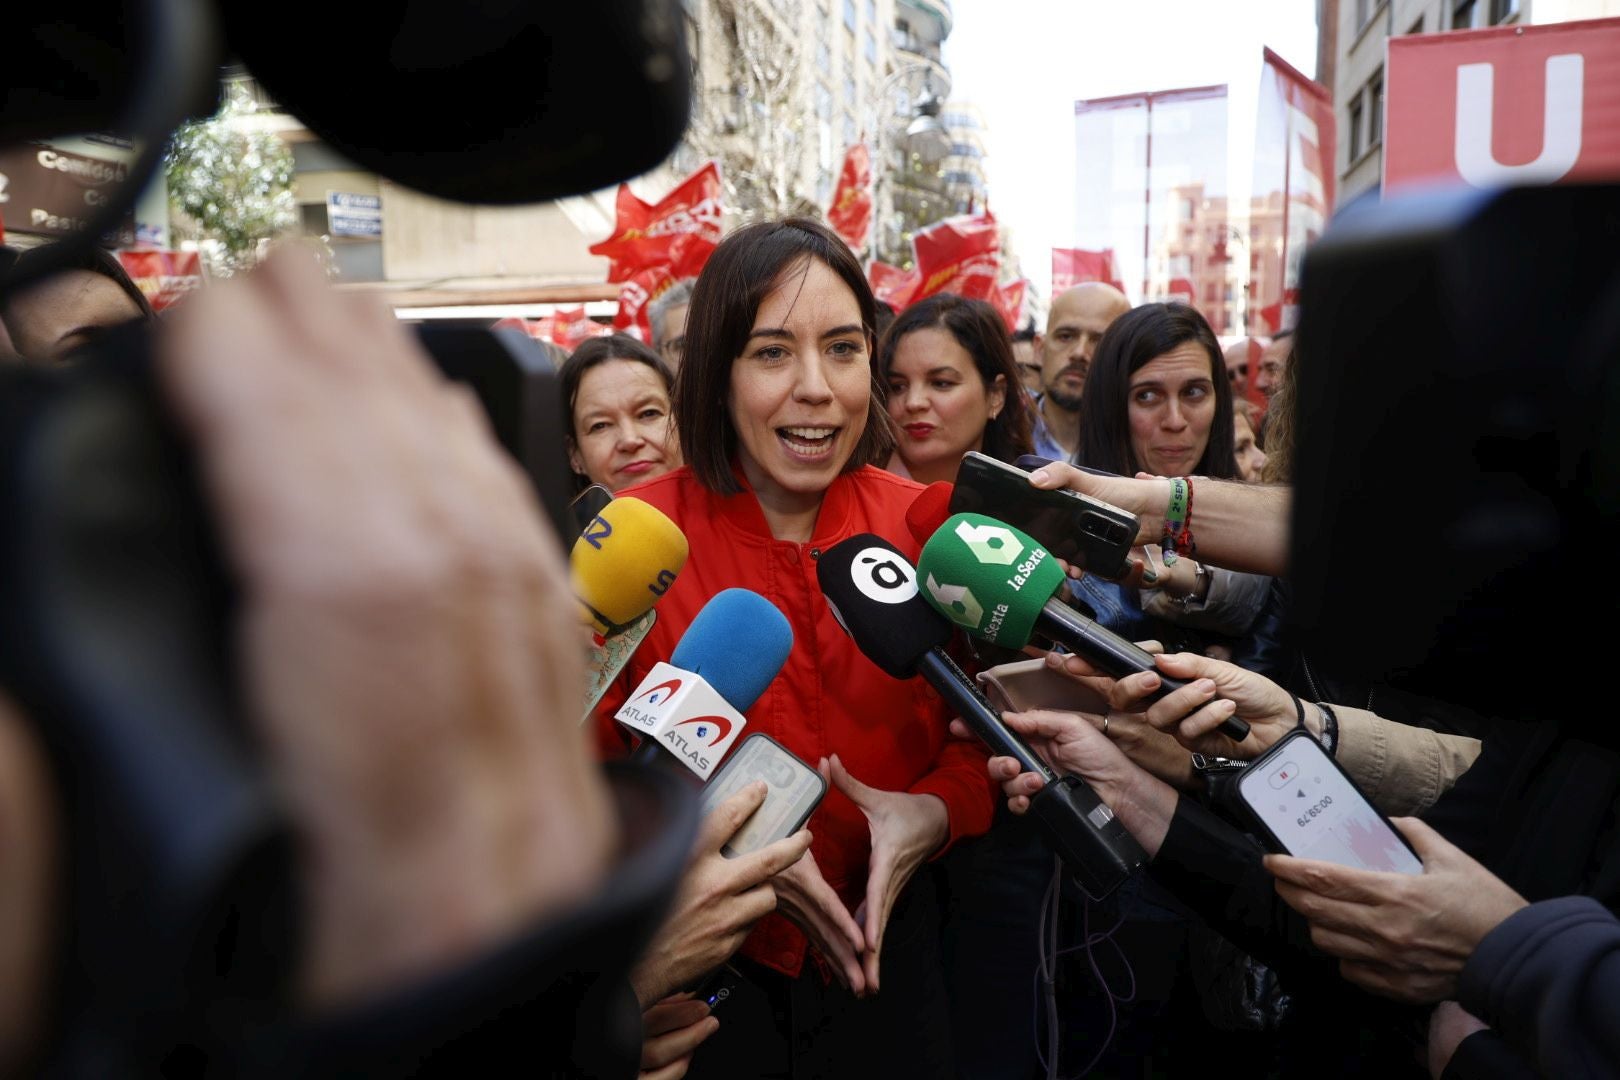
[
  {"x": 872, "y": 589},
  {"x": 626, "y": 559},
  {"x": 988, "y": 577},
  {"x": 738, "y": 643},
  {"x": 930, "y": 509}
]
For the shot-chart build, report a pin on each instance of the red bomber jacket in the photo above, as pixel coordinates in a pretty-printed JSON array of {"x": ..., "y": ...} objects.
[{"x": 829, "y": 698}]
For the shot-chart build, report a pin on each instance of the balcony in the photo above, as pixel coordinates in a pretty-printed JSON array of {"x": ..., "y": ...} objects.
[{"x": 929, "y": 20}]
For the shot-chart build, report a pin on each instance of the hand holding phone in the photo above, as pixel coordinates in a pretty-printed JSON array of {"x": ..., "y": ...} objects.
[
  {"x": 1308, "y": 806},
  {"x": 1084, "y": 532}
]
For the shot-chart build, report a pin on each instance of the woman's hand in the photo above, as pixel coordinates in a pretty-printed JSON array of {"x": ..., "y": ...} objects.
[
  {"x": 804, "y": 896},
  {"x": 1074, "y": 743},
  {"x": 719, "y": 901},
  {"x": 906, "y": 829},
  {"x": 1405, "y": 936},
  {"x": 1215, "y": 691},
  {"x": 670, "y": 1032}
]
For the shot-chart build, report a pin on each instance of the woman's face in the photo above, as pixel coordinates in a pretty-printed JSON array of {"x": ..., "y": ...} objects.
[
  {"x": 938, "y": 398},
  {"x": 65, "y": 312},
  {"x": 622, "y": 429},
  {"x": 1171, "y": 403},
  {"x": 1250, "y": 458},
  {"x": 801, "y": 389}
]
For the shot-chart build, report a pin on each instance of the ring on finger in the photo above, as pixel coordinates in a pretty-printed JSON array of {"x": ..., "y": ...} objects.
[{"x": 1105, "y": 725}]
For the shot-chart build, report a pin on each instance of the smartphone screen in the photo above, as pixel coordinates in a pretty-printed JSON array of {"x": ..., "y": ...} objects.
[
  {"x": 1085, "y": 532},
  {"x": 794, "y": 791},
  {"x": 1312, "y": 809}
]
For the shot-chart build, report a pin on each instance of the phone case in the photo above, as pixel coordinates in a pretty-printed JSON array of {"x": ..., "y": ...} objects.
[
  {"x": 1030, "y": 684},
  {"x": 795, "y": 790},
  {"x": 1255, "y": 783},
  {"x": 1086, "y": 532}
]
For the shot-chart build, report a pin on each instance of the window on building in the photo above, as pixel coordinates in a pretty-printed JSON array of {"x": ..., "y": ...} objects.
[
  {"x": 849, "y": 130},
  {"x": 1354, "y": 125},
  {"x": 823, "y": 56},
  {"x": 823, "y": 103},
  {"x": 871, "y": 12},
  {"x": 1417, "y": 27},
  {"x": 1502, "y": 10},
  {"x": 871, "y": 45},
  {"x": 1363, "y": 12},
  {"x": 1462, "y": 14},
  {"x": 849, "y": 14},
  {"x": 849, "y": 91},
  {"x": 1375, "y": 109}
]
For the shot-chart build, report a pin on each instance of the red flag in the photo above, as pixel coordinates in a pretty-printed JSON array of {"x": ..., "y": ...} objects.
[
  {"x": 851, "y": 212},
  {"x": 163, "y": 276},
  {"x": 635, "y": 295},
  {"x": 1009, "y": 301},
  {"x": 960, "y": 255},
  {"x": 892, "y": 285},
  {"x": 644, "y": 234},
  {"x": 570, "y": 328},
  {"x": 1071, "y": 266}
]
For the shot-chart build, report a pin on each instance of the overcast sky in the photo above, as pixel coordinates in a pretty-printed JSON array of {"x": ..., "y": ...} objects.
[{"x": 1025, "y": 63}]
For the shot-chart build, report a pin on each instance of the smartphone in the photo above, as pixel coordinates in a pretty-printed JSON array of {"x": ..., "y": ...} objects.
[
  {"x": 1031, "y": 462},
  {"x": 1085, "y": 532},
  {"x": 1030, "y": 684},
  {"x": 794, "y": 792},
  {"x": 1308, "y": 806}
]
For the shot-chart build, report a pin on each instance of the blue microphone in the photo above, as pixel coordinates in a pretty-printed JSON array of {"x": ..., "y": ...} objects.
[{"x": 735, "y": 647}]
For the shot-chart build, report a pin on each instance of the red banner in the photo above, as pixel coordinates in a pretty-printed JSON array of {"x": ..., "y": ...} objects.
[
  {"x": 163, "y": 276},
  {"x": 1009, "y": 301},
  {"x": 644, "y": 234},
  {"x": 892, "y": 285},
  {"x": 960, "y": 255},
  {"x": 1511, "y": 106},
  {"x": 571, "y": 327},
  {"x": 851, "y": 212},
  {"x": 1071, "y": 266},
  {"x": 1293, "y": 188}
]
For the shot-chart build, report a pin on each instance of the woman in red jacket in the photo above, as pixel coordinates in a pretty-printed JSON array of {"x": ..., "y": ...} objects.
[{"x": 781, "y": 420}]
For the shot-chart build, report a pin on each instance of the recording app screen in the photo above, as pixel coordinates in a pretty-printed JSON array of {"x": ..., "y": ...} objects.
[{"x": 1311, "y": 808}]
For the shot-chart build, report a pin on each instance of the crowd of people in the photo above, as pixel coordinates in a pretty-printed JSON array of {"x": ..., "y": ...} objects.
[{"x": 414, "y": 684}]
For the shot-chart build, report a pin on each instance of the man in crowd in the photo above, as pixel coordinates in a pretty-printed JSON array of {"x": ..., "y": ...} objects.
[
  {"x": 1029, "y": 365},
  {"x": 667, "y": 315},
  {"x": 1237, "y": 365},
  {"x": 1073, "y": 326},
  {"x": 1273, "y": 359}
]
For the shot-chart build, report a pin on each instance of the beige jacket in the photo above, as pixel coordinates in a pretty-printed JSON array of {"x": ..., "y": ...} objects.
[{"x": 1404, "y": 770}]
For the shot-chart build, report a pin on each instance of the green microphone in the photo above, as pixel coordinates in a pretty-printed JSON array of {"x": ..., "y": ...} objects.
[{"x": 999, "y": 584}]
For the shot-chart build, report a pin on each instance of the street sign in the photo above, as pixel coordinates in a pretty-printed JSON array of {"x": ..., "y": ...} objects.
[{"x": 348, "y": 214}]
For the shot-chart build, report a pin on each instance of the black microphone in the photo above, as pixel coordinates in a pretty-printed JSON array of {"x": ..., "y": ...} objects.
[{"x": 872, "y": 590}]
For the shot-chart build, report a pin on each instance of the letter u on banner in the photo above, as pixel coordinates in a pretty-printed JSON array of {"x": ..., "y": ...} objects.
[{"x": 1560, "y": 134}]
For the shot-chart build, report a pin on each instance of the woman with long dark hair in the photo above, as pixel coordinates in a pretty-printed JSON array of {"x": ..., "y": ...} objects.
[{"x": 781, "y": 421}]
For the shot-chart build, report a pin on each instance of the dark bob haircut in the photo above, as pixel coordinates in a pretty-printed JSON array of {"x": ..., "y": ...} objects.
[
  {"x": 983, "y": 334},
  {"x": 20, "y": 265},
  {"x": 597, "y": 351},
  {"x": 1133, "y": 340},
  {"x": 743, "y": 270}
]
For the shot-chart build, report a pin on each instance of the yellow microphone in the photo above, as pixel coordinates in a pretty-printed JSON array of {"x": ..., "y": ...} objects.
[{"x": 626, "y": 559}]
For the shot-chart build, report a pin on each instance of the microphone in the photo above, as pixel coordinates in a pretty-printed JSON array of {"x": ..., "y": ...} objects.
[
  {"x": 929, "y": 510},
  {"x": 999, "y": 584},
  {"x": 626, "y": 558},
  {"x": 692, "y": 706},
  {"x": 872, "y": 591}
]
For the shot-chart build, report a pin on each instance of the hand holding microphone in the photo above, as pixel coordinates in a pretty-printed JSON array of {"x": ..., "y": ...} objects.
[
  {"x": 1000, "y": 585},
  {"x": 719, "y": 901}
]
